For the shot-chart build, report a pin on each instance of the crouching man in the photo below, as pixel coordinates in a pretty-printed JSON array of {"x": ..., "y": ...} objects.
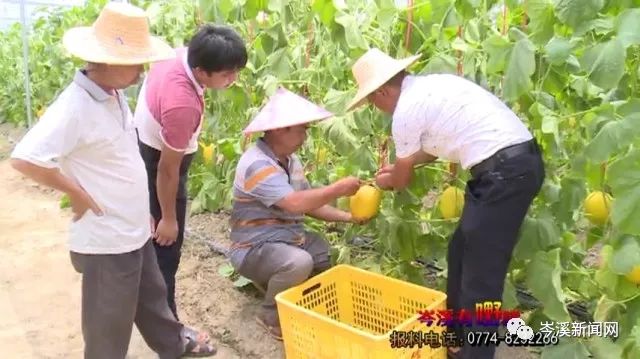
[{"x": 272, "y": 196}]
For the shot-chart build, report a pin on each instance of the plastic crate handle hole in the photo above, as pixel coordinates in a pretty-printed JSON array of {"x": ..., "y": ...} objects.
[{"x": 311, "y": 289}]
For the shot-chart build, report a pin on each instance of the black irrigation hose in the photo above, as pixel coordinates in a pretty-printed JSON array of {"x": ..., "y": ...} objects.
[
  {"x": 362, "y": 242},
  {"x": 210, "y": 242},
  {"x": 578, "y": 310}
]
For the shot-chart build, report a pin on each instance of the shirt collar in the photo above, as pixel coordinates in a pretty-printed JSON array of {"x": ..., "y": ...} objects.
[
  {"x": 407, "y": 82},
  {"x": 187, "y": 69},
  {"x": 91, "y": 87},
  {"x": 262, "y": 146}
]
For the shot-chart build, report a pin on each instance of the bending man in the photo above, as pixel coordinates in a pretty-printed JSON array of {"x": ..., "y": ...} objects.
[
  {"x": 446, "y": 116},
  {"x": 169, "y": 117}
]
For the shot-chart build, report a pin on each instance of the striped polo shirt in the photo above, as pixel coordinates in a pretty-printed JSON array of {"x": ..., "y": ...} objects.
[{"x": 260, "y": 182}]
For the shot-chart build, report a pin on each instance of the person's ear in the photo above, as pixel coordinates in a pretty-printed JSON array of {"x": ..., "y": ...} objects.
[{"x": 383, "y": 91}]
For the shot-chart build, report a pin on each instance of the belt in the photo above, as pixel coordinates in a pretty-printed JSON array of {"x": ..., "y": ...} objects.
[
  {"x": 504, "y": 154},
  {"x": 261, "y": 222}
]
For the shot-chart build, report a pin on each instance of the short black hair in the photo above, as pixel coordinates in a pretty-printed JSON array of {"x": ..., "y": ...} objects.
[{"x": 217, "y": 48}]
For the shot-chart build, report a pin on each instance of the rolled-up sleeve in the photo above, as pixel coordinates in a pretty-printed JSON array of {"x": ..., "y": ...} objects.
[
  {"x": 51, "y": 139},
  {"x": 178, "y": 126}
]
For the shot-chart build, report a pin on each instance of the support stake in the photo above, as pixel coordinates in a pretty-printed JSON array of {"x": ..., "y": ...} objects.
[{"x": 25, "y": 60}]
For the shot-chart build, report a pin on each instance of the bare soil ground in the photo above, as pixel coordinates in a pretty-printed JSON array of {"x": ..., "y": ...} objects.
[{"x": 40, "y": 291}]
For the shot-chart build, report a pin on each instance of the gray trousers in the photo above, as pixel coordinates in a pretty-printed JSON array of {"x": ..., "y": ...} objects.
[
  {"x": 119, "y": 290},
  {"x": 278, "y": 266}
]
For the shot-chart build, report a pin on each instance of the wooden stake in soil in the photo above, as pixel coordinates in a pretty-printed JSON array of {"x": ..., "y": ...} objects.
[
  {"x": 525, "y": 18},
  {"x": 383, "y": 153},
  {"x": 453, "y": 172},
  {"x": 459, "y": 68},
  {"x": 407, "y": 34},
  {"x": 245, "y": 141}
]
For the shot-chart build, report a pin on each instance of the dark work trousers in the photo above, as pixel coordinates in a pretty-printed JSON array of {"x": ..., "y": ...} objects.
[
  {"x": 496, "y": 203},
  {"x": 168, "y": 256},
  {"x": 118, "y": 291}
]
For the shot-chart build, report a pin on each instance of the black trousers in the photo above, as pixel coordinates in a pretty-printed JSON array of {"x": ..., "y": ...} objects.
[
  {"x": 496, "y": 203},
  {"x": 168, "y": 256}
]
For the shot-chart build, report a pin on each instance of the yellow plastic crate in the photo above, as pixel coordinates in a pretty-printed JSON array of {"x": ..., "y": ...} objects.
[{"x": 350, "y": 313}]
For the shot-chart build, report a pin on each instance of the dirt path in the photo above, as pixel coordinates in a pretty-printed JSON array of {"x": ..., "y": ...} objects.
[{"x": 40, "y": 291}]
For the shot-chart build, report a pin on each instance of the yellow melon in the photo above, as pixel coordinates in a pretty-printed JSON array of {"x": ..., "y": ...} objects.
[
  {"x": 365, "y": 204},
  {"x": 208, "y": 152},
  {"x": 597, "y": 207},
  {"x": 321, "y": 155},
  {"x": 451, "y": 202},
  {"x": 41, "y": 111},
  {"x": 634, "y": 275}
]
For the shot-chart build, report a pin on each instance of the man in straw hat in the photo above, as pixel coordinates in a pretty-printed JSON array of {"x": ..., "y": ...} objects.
[
  {"x": 272, "y": 195},
  {"x": 85, "y": 145},
  {"x": 168, "y": 117},
  {"x": 448, "y": 117}
]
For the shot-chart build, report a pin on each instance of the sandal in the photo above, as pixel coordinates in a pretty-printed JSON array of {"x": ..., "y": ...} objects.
[
  {"x": 195, "y": 335},
  {"x": 195, "y": 348},
  {"x": 273, "y": 330}
]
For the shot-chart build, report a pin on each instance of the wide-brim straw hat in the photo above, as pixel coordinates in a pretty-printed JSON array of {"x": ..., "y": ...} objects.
[
  {"x": 374, "y": 69},
  {"x": 120, "y": 36},
  {"x": 285, "y": 109}
]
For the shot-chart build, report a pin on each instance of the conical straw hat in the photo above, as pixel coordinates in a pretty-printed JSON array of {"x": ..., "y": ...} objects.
[
  {"x": 286, "y": 109},
  {"x": 120, "y": 36},
  {"x": 374, "y": 69}
]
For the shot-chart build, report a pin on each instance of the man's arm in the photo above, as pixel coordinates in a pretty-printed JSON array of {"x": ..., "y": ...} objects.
[
  {"x": 330, "y": 214},
  {"x": 302, "y": 202},
  {"x": 38, "y": 155},
  {"x": 53, "y": 178},
  {"x": 178, "y": 123},
  {"x": 399, "y": 175},
  {"x": 50, "y": 177},
  {"x": 167, "y": 181},
  {"x": 403, "y": 168}
]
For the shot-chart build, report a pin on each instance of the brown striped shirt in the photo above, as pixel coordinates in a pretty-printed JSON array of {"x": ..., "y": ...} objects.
[{"x": 260, "y": 182}]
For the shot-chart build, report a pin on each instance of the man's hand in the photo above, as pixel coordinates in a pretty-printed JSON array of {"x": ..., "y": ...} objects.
[
  {"x": 384, "y": 181},
  {"x": 359, "y": 221},
  {"x": 81, "y": 202},
  {"x": 167, "y": 182},
  {"x": 386, "y": 169},
  {"x": 347, "y": 186},
  {"x": 167, "y": 232}
]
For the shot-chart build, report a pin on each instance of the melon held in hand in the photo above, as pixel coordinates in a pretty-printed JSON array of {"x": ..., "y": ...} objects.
[{"x": 365, "y": 204}]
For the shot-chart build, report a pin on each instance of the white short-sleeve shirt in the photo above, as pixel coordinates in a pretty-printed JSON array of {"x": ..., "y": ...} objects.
[
  {"x": 90, "y": 136},
  {"x": 454, "y": 119}
]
